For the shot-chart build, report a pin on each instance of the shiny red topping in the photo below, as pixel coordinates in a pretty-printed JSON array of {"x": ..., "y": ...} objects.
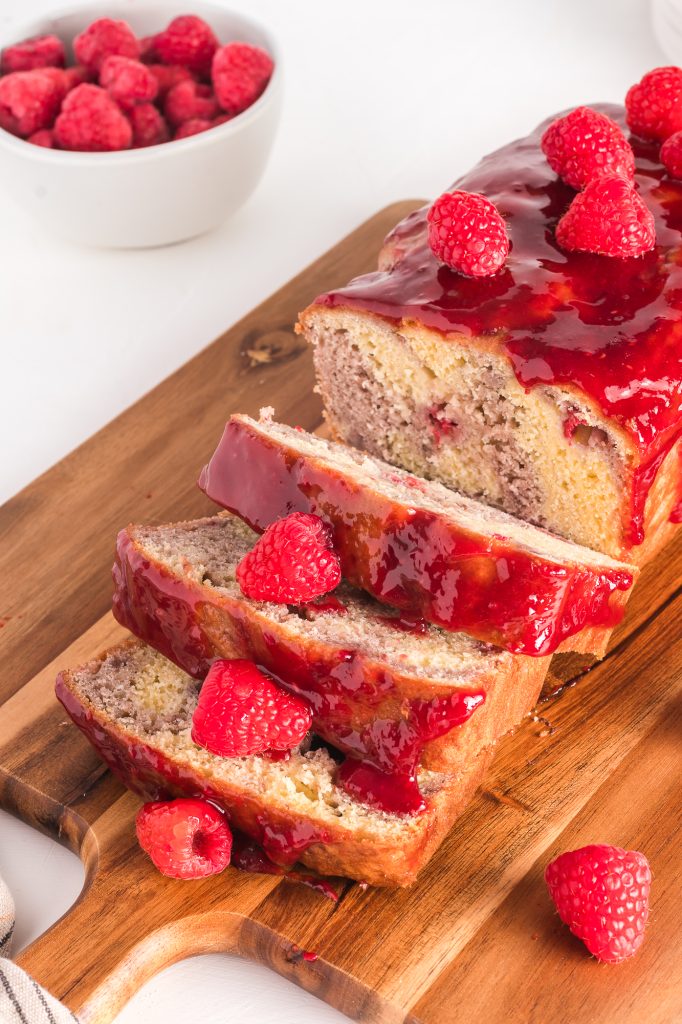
[
  {"x": 241, "y": 711},
  {"x": 654, "y": 105},
  {"x": 467, "y": 234},
  {"x": 184, "y": 838},
  {"x": 104, "y": 38},
  {"x": 189, "y": 41},
  {"x": 240, "y": 73},
  {"x": 602, "y": 894},
  {"x": 293, "y": 562},
  {"x": 91, "y": 121},
  {"x": 29, "y": 100},
  {"x": 39, "y": 52},
  {"x": 671, "y": 155},
  {"x": 608, "y": 218},
  {"x": 585, "y": 145},
  {"x": 128, "y": 81}
]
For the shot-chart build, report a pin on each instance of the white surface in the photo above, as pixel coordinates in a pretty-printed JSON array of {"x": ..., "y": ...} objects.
[{"x": 384, "y": 100}]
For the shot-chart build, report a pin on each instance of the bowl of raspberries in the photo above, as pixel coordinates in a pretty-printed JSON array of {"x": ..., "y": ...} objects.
[{"x": 137, "y": 125}]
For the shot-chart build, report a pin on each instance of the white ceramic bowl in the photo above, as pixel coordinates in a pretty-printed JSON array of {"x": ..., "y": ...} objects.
[{"x": 157, "y": 195}]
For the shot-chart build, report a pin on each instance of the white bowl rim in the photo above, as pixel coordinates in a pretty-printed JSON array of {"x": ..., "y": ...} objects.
[{"x": 205, "y": 138}]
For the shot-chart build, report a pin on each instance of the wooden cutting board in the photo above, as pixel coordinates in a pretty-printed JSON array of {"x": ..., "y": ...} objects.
[{"x": 476, "y": 938}]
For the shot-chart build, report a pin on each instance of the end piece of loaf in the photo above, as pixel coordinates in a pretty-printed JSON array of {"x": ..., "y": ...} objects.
[
  {"x": 369, "y": 683},
  {"x": 135, "y": 707},
  {"x": 418, "y": 546},
  {"x": 552, "y": 390}
]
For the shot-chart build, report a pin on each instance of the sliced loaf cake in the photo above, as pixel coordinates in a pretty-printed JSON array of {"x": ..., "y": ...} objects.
[
  {"x": 552, "y": 390},
  {"x": 135, "y": 707},
  {"x": 418, "y": 546},
  {"x": 383, "y": 688}
]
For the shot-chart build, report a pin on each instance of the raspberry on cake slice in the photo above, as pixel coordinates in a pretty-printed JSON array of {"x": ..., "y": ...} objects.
[
  {"x": 136, "y": 709},
  {"x": 382, "y": 687},
  {"x": 420, "y": 547}
]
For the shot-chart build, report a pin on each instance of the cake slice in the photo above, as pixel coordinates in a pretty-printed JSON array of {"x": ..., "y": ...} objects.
[
  {"x": 552, "y": 390},
  {"x": 135, "y": 707},
  {"x": 383, "y": 688},
  {"x": 418, "y": 546}
]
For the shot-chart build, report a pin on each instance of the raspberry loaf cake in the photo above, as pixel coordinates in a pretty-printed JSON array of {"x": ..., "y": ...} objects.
[
  {"x": 551, "y": 390},
  {"x": 135, "y": 707},
  {"x": 420, "y": 547},
  {"x": 397, "y": 692}
]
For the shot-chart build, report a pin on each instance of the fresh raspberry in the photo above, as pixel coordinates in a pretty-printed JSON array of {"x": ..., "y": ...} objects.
[
  {"x": 194, "y": 126},
  {"x": 44, "y": 138},
  {"x": 128, "y": 81},
  {"x": 168, "y": 75},
  {"x": 467, "y": 234},
  {"x": 92, "y": 122},
  {"x": 671, "y": 155},
  {"x": 39, "y": 52},
  {"x": 608, "y": 218},
  {"x": 602, "y": 894},
  {"x": 149, "y": 127},
  {"x": 184, "y": 838},
  {"x": 585, "y": 145},
  {"x": 241, "y": 711},
  {"x": 240, "y": 73},
  {"x": 654, "y": 105},
  {"x": 105, "y": 38},
  {"x": 75, "y": 75},
  {"x": 30, "y": 100},
  {"x": 188, "y": 100},
  {"x": 292, "y": 562},
  {"x": 148, "y": 54},
  {"x": 188, "y": 41}
]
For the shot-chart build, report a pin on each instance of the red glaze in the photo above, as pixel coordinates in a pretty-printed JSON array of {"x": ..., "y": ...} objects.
[
  {"x": 676, "y": 513},
  {"x": 247, "y": 855},
  {"x": 611, "y": 328},
  {"x": 405, "y": 624},
  {"x": 327, "y": 603},
  {"x": 356, "y": 705},
  {"x": 414, "y": 559},
  {"x": 396, "y": 793}
]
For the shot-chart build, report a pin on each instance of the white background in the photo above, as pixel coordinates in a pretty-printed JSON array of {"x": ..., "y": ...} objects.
[{"x": 384, "y": 99}]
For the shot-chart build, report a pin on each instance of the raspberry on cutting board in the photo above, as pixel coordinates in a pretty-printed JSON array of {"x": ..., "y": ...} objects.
[
  {"x": 242, "y": 711},
  {"x": 184, "y": 838},
  {"x": 292, "y": 562},
  {"x": 602, "y": 893},
  {"x": 585, "y": 145},
  {"x": 467, "y": 234}
]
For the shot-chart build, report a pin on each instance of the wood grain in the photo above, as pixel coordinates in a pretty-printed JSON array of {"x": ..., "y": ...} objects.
[{"x": 476, "y": 937}]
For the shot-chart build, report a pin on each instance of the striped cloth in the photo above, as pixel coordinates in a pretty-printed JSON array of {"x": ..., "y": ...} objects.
[{"x": 22, "y": 1000}]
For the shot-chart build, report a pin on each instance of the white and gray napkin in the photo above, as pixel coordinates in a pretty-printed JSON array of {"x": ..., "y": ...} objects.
[{"x": 22, "y": 1000}]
